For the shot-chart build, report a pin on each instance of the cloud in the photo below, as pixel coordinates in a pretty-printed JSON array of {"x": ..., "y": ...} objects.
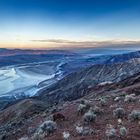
[
  {"x": 61, "y": 41},
  {"x": 69, "y": 43}
]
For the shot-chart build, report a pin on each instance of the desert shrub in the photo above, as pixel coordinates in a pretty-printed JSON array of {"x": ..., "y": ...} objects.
[
  {"x": 24, "y": 138},
  {"x": 89, "y": 116},
  {"x": 44, "y": 129},
  {"x": 134, "y": 116},
  {"x": 119, "y": 113},
  {"x": 84, "y": 131},
  {"x": 110, "y": 132},
  {"x": 87, "y": 131},
  {"x": 117, "y": 99},
  {"x": 123, "y": 131},
  {"x": 82, "y": 108},
  {"x": 130, "y": 98},
  {"x": 47, "y": 127},
  {"x": 66, "y": 135},
  {"x": 120, "y": 121},
  {"x": 103, "y": 101},
  {"x": 96, "y": 110},
  {"x": 38, "y": 136},
  {"x": 79, "y": 129}
]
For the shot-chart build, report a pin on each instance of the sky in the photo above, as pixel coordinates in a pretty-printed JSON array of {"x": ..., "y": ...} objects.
[{"x": 62, "y": 23}]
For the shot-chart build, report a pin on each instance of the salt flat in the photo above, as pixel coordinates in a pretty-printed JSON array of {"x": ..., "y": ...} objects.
[{"x": 15, "y": 80}]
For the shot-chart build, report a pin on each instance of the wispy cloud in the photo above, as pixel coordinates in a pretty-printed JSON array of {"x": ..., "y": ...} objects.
[
  {"x": 69, "y": 43},
  {"x": 61, "y": 41}
]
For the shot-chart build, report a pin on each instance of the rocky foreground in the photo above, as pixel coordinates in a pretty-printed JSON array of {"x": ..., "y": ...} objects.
[{"x": 110, "y": 111}]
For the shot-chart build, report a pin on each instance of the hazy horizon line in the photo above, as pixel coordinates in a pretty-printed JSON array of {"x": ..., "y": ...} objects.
[{"x": 47, "y": 44}]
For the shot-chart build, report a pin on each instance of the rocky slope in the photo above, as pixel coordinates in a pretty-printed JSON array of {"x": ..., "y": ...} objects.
[
  {"x": 116, "y": 109},
  {"x": 77, "y": 84},
  {"x": 95, "y": 103},
  {"x": 117, "y": 58}
]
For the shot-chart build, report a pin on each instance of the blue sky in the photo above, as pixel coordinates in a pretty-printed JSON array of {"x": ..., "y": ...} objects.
[{"x": 22, "y": 21}]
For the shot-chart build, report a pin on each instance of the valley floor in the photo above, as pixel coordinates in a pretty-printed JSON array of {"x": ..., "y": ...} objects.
[{"x": 24, "y": 79}]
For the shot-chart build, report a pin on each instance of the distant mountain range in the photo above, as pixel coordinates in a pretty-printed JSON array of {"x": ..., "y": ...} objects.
[
  {"x": 11, "y": 52},
  {"x": 16, "y": 56},
  {"x": 115, "y": 58}
]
